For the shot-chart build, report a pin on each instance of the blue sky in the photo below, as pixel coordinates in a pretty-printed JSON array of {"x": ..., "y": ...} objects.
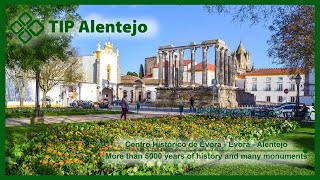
[{"x": 176, "y": 25}]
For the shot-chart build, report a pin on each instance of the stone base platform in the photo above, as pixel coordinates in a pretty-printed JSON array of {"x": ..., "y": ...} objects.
[{"x": 172, "y": 97}]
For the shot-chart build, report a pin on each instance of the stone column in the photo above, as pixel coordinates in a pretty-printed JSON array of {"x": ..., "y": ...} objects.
[
  {"x": 193, "y": 52},
  {"x": 230, "y": 68},
  {"x": 176, "y": 71},
  {"x": 217, "y": 64},
  {"x": 221, "y": 73},
  {"x": 165, "y": 57},
  {"x": 160, "y": 69},
  {"x": 170, "y": 69},
  {"x": 181, "y": 67},
  {"x": 233, "y": 73},
  {"x": 226, "y": 69},
  {"x": 173, "y": 69},
  {"x": 204, "y": 66}
]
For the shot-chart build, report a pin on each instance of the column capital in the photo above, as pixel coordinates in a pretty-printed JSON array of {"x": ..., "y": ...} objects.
[
  {"x": 217, "y": 47},
  {"x": 193, "y": 49},
  {"x": 205, "y": 48}
]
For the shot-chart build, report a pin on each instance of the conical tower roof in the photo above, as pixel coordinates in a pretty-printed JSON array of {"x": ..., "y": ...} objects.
[{"x": 240, "y": 48}]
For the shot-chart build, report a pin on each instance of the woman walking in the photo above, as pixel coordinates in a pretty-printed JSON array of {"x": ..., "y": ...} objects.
[{"x": 124, "y": 106}]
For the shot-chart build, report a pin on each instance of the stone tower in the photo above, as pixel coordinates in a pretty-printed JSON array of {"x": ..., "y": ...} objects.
[
  {"x": 149, "y": 63},
  {"x": 243, "y": 59}
]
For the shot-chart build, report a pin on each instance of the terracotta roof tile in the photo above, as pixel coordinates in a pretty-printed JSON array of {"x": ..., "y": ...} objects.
[
  {"x": 128, "y": 79},
  {"x": 240, "y": 76},
  {"x": 150, "y": 81},
  {"x": 274, "y": 71},
  {"x": 198, "y": 67}
]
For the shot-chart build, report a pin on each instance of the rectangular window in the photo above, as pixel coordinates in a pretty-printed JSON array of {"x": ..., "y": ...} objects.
[
  {"x": 292, "y": 87},
  {"x": 280, "y": 87},
  {"x": 268, "y": 78},
  {"x": 280, "y": 99},
  {"x": 268, "y": 87},
  {"x": 254, "y": 87},
  {"x": 292, "y": 99},
  {"x": 268, "y": 98},
  {"x": 254, "y": 79},
  {"x": 280, "y": 78}
]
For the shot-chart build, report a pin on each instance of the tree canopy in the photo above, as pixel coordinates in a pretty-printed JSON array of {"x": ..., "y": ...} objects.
[
  {"x": 132, "y": 73},
  {"x": 292, "y": 41},
  {"x": 43, "y": 47}
]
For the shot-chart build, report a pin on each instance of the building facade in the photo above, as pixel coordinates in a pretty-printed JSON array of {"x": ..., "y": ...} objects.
[{"x": 268, "y": 85}]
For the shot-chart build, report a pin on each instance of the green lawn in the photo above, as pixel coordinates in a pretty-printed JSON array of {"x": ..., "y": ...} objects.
[
  {"x": 303, "y": 137},
  {"x": 28, "y": 112}
]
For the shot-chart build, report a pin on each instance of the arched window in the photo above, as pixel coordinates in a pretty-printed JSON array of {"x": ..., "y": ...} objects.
[{"x": 108, "y": 72}]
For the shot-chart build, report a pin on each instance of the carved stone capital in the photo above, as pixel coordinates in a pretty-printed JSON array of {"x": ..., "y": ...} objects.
[{"x": 205, "y": 48}]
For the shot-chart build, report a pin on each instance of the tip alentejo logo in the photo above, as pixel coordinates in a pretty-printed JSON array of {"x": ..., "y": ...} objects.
[
  {"x": 92, "y": 27},
  {"x": 26, "y": 27}
]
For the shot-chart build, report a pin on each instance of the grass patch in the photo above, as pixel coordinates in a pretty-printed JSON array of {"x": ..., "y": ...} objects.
[
  {"x": 302, "y": 137},
  {"x": 28, "y": 112}
]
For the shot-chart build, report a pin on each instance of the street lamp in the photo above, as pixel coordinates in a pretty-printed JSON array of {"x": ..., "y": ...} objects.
[{"x": 298, "y": 80}]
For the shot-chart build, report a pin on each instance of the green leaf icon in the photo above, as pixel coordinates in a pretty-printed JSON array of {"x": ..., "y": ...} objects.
[{"x": 26, "y": 27}]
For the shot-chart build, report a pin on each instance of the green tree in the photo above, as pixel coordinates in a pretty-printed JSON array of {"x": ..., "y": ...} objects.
[
  {"x": 141, "y": 72},
  {"x": 292, "y": 41},
  {"x": 132, "y": 73},
  {"x": 44, "y": 47}
]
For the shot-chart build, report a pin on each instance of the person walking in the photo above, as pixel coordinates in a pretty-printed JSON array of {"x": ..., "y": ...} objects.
[
  {"x": 124, "y": 106},
  {"x": 191, "y": 104}
]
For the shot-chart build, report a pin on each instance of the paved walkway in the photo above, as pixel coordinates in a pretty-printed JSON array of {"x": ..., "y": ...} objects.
[{"x": 87, "y": 118}]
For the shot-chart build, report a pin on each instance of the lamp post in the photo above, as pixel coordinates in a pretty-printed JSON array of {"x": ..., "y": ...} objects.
[{"x": 298, "y": 80}]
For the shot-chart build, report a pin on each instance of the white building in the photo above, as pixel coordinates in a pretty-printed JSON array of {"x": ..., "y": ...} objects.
[
  {"x": 102, "y": 80},
  {"x": 268, "y": 85}
]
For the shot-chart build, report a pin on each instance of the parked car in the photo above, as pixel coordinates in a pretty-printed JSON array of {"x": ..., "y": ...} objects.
[
  {"x": 87, "y": 104},
  {"x": 104, "y": 103},
  {"x": 74, "y": 103},
  {"x": 116, "y": 103},
  {"x": 283, "y": 104},
  {"x": 289, "y": 110}
]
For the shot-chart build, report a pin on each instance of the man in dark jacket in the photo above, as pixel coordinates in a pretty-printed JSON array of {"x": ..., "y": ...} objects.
[{"x": 124, "y": 106}]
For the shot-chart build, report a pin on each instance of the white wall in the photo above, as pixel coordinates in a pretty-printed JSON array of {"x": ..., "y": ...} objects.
[
  {"x": 153, "y": 91},
  {"x": 88, "y": 92},
  {"x": 105, "y": 60},
  {"x": 261, "y": 94}
]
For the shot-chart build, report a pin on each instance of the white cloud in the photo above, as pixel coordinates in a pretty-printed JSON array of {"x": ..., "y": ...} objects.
[{"x": 152, "y": 24}]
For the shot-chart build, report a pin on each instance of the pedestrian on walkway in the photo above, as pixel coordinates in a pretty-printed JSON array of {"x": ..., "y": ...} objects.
[
  {"x": 191, "y": 104},
  {"x": 124, "y": 106}
]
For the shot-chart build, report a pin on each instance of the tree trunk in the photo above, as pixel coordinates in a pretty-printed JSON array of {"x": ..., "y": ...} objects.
[
  {"x": 21, "y": 94},
  {"x": 44, "y": 99},
  {"x": 37, "y": 110}
]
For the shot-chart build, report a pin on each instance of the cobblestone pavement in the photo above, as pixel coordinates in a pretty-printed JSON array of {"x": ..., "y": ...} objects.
[{"x": 88, "y": 118}]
